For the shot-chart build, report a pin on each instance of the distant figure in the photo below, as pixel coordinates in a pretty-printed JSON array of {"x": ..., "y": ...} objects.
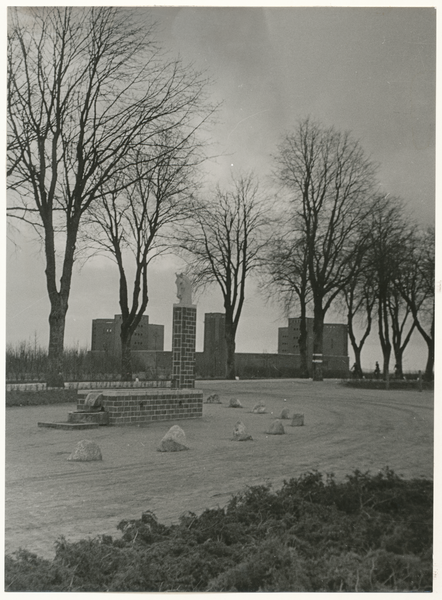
[
  {"x": 377, "y": 370},
  {"x": 183, "y": 289}
]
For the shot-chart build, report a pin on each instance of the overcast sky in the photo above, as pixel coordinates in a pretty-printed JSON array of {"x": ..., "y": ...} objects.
[{"x": 367, "y": 70}]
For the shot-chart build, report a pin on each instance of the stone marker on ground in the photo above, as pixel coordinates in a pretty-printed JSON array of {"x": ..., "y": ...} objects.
[
  {"x": 173, "y": 441},
  {"x": 259, "y": 408},
  {"x": 240, "y": 434},
  {"x": 276, "y": 428},
  {"x": 297, "y": 420},
  {"x": 213, "y": 399},
  {"x": 86, "y": 450},
  {"x": 235, "y": 403},
  {"x": 285, "y": 413}
]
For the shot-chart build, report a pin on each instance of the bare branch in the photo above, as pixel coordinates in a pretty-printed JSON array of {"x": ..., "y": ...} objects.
[
  {"x": 87, "y": 89},
  {"x": 330, "y": 184},
  {"x": 223, "y": 244}
]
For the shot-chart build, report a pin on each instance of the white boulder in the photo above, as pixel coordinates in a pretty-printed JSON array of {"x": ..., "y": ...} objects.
[
  {"x": 173, "y": 441},
  {"x": 285, "y": 413},
  {"x": 297, "y": 420},
  {"x": 240, "y": 433},
  {"x": 86, "y": 450},
  {"x": 276, "y": 428}
]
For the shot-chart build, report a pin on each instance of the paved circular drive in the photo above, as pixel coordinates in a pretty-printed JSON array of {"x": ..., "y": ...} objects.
[{"x": 345, "y": 429}]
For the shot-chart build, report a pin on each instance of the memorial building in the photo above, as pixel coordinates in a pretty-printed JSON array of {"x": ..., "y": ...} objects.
[
  {"x": 106, "y": 335},
  {"x": 148, "y": 346},
  {"x": 335, "y": 341},
  {"x": 286, "y": 362}
]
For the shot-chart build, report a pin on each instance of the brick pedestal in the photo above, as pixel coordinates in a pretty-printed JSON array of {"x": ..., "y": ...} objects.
[
  {"x": 141, "y": 407},
  {"x": 183, "y": 346}
]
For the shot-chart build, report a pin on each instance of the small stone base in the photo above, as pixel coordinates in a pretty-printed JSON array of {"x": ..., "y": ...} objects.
[
  {"x": 70, "y": 425},
  {"x": 79, "y": 416}
]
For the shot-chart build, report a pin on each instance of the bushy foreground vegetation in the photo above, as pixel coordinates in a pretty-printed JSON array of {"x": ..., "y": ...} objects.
[{"x": 370, "y": 533}]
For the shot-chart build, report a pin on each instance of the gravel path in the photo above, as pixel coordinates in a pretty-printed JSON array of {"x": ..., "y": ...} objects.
[{"x": 345, "y": 429}]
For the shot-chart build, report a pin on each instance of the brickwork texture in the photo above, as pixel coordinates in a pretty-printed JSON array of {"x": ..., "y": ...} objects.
[
  {"x": 133, "y": 407},
  {"x": 183, "y": 346}
]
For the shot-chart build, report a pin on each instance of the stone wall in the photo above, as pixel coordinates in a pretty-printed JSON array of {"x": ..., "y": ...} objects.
[
  {"x": 268, "y": 365},
  {"x": 100, "y": 385},
  {"x": 264, "y": 365},
  {"x": 133, "y": 407}
]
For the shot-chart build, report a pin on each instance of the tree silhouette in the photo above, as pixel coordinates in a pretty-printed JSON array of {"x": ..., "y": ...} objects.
[
  {"x": 223, "y": 245},
  {"x": 330, "y": 182},
  {"x": 85, "y": 87},
  {"x": 285, "y": 270},
  {"x": 136, "y": 224}
]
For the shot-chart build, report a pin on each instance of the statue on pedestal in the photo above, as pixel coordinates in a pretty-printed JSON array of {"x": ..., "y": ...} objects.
[{"x": 184, "y": 289}]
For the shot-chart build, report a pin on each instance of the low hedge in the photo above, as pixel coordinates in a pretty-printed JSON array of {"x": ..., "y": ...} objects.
[
  {"x": 18, "y": 398},
  {"x": 394, "y": 384},
  {"x": 370, "y": 533}
]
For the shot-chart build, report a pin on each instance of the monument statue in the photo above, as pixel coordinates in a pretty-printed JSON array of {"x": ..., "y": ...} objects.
[{"x": 183, "y": 289}]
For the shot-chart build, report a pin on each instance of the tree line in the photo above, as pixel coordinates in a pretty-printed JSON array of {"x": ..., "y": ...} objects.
[{"x": 106, "y": 138}]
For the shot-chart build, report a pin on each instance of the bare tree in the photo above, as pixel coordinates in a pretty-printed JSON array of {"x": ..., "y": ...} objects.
[
  {"x": 285, "y": 270},
  {"x": 389, "y": 234},
  {"x": 330, "y": 182},
  {"x": 359, "y": 299},
  {"x": 402, "y": 327},
  {"x": 134, "y": 222},
  {"x": 415, "y": 281},
  {"x": 85, "y": 86},
  {"x": 223, "y": 245}
]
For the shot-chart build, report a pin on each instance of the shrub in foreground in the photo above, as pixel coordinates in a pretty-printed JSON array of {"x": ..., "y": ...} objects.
[{"x": 370, "y": 533}]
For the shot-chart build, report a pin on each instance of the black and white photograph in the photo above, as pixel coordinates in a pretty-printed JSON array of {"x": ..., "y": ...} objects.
[{"x": 220, "y": 290}]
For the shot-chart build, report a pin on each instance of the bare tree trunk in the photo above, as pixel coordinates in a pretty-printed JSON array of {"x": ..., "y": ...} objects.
[
  {"x": 429, "y": 374},
  {"x": 318, "y": 341},
  {"x": 59, "y": 299},
  {"x": 126, "y": 355},
  {"x": 384, "y": 338},
  {"x": 398, "y": 372},
  {"x": 57, "y": 321},
  {"x": 399, "y": 345},
  {"x": 357, "y": 348},
  {"x": 303, "y": 344},
  {"x": 386, "y": 354},
  {"x": 429, "y": 340},
  {"x": 130, "y": 318},
  {"x": 357, "y": 351},
  {"x": 230, "y": 351}
]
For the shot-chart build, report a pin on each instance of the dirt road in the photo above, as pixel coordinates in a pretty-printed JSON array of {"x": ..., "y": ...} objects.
[{"x": 47, "y": 496}]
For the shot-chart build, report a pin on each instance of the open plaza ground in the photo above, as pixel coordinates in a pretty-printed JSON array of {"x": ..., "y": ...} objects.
[{"x": 47, "y": 496}]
